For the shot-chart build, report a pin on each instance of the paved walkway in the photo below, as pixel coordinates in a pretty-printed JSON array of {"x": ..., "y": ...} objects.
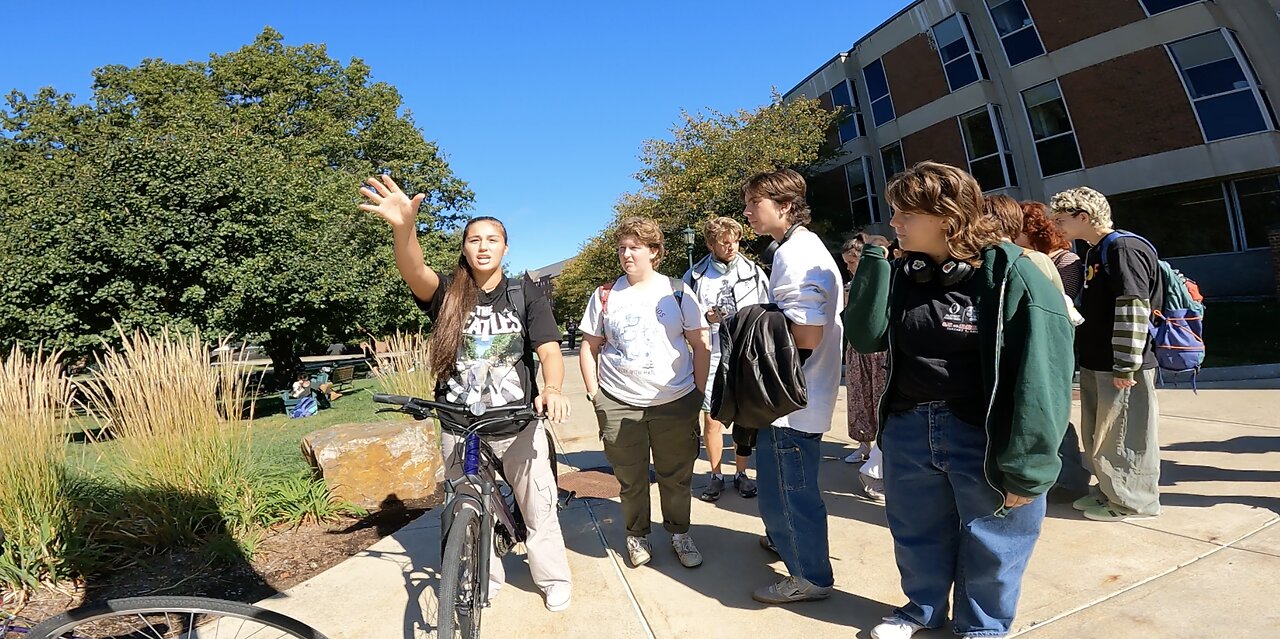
[{"x": 1205, "y": 568}]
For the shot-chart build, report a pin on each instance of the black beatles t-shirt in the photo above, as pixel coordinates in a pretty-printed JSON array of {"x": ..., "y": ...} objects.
[
  {"x": 1133, "y": 272},
  {"x": 495, "y": 363},
  {"x": 937, "y": 353}
]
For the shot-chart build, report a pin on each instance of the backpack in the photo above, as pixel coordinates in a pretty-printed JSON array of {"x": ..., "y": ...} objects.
[
  {"x": 306, "y": 407},
  {"x": 1177, "y": 329},
  {"x": 677, "y": 291}
]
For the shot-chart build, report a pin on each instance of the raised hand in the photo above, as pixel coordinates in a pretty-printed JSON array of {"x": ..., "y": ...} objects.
[{"x": 390, "y": 202}]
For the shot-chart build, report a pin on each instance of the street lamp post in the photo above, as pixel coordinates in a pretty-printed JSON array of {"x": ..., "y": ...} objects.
[{"x": 689, "y": 236}]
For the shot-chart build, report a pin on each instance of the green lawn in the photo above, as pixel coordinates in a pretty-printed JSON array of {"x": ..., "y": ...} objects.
[
  {"x": 1241, "y": 333},
  {"x": 276, "y": 437}
]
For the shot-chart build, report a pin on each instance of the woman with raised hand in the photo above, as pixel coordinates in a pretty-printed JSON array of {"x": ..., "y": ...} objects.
[
  {"x": 485, "y": 333},
  {"x": 978, "y": 396}
]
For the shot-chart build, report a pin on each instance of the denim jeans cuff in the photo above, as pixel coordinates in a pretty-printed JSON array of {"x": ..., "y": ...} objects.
[{"x": 985, "y": 633}]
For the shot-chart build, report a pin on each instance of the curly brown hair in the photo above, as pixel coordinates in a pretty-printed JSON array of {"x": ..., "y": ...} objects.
[
  {"x": 944, "y": 191},
  {"x": 1040, "y": 230},
  {"x": 645, "y": 231}
]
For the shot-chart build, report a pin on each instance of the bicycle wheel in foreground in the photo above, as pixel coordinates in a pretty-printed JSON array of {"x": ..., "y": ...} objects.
[
  {"x": 171, "y": 617},
  {"x": 460, "y": 577}
]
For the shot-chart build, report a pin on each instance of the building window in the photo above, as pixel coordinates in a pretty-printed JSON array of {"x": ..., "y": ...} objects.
[
  {"x": 1220, "y": 84},
  {"x": 892, "y": 160},
  {"x": 862, "y": 191},
  {"x": 984, "y": 142},
  {"x": 1055, "y": 139},
  {"x": 1017, "y": 31},
  {"x": 1166, "y": 217},
  {"x": 960, "y": 57},
  {"x": 1160, "y": 6},
  {"x": 842, "y": 95},
  {"x": 878, "y": 93},
  {"x": 1258, "y": 200}
]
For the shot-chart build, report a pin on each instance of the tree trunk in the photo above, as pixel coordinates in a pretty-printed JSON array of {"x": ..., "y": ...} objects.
[{"x": 284, "y": 360}]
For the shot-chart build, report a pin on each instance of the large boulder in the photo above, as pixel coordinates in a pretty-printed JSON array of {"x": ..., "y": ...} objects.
[{"x": 374, "y": 465}]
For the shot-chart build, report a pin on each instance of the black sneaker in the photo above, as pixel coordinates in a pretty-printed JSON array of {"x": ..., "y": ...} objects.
[
  {"x": 746, "y": 486},
  {"x": 714, "y": 489}
]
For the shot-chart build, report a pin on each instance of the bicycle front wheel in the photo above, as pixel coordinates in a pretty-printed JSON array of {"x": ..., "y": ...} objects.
[
  {"x": 460, "y": 579},
  {"x": 171, "y": 617}
]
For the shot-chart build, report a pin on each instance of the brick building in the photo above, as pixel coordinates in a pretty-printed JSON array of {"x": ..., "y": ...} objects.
[{"x": 1161, "y": 104}]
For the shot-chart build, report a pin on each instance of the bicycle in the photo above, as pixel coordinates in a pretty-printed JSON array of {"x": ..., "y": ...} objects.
[
  {"x": 471, "y": 521},
  {"x": 166, "y": 618}
]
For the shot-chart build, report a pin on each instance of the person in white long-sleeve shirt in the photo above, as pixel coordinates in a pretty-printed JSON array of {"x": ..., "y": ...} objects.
[{"x": 805, "y": 284}]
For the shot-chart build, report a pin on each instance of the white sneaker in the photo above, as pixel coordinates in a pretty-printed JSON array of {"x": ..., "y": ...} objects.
[
  {"x": 686, "y": 551},
  {"x": 895, "y": 628},
  {"x": 558, "y": 597},
  {"x": 639, "y": 551}
]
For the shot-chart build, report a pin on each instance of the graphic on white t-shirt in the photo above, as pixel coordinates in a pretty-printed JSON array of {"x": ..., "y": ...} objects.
[{"x": 634, "y": 340}]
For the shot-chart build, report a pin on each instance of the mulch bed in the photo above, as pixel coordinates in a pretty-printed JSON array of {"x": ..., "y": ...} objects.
[{"x": 284, "y": 559}]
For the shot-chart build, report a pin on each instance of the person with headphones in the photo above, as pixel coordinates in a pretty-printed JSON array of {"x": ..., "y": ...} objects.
[{"x": 978, "y": 397}]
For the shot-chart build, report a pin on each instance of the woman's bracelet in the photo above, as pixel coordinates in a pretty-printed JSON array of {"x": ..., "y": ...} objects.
[{"x": 552, "y": 388}]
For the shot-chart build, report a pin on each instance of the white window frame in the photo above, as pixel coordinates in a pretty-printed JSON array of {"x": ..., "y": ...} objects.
[
  {"x": 888, "y": 94},
  {"x": 873, "y": 212},
  {"x": 1043, "y": 50},
  {"x": 1002, "y": 146},
  {"x": 853, "y": 110},
  {"x": 1026, "y": 112},
  {"x": 1143, "y": 4},
  {"x": 1237, "y": 213},
  {"x": 1246, "y": 68},
  {"x": 974, "y": 54}
]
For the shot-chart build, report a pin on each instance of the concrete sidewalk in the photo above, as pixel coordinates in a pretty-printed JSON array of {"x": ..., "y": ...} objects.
[{"x": 1205, "y": 568}]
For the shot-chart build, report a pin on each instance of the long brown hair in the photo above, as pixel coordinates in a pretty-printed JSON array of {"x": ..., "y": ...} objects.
[
  {"x": 944, "y": 191},
  {"x": 456, "y": 306}
]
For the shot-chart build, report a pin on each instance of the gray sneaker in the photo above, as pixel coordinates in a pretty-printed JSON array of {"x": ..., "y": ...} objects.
[
  {"x": 790, "y": 590},
  {"x": 714, "y": 489},
  {"x": 638, "y": 551},
  {"x": 686, "y": 551}
]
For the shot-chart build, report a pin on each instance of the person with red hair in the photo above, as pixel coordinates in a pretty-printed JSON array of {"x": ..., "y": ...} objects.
[{"x": 1040, "y": 234}]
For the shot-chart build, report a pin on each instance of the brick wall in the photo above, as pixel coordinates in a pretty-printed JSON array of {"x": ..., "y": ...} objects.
[
  {"x": 1129, "y": 107},
  {"x": 915, "y": 74},
  {"x": 941, "y": 143},
  {"x": 1065, "y": 22}
]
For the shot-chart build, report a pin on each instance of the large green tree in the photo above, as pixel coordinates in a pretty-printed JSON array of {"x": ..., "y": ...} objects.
[
  {"x": 697, "y": 173},
  {"x": 216, "y": 195}
]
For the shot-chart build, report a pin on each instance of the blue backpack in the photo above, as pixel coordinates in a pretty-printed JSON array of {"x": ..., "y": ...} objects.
[
  {"x": 306, "y": 407},
  {"x": 1177, "y": 329}
]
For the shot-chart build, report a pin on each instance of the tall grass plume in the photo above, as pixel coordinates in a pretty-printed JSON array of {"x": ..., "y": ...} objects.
[{"x": 36, "y": 516}]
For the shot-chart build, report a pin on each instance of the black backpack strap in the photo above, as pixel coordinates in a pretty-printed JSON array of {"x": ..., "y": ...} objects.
[{"x": 515, "y": 299}]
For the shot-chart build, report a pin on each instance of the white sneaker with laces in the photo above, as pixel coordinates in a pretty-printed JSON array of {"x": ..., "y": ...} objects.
[
  {"x": 558, "y": 596},
  {"x": 638, "y": 551},
  {"x": 686, "y": 551},
  {"x": 895, "y": 628}
]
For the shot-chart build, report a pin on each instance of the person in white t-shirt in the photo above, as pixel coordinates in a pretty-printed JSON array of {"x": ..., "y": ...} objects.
[
  {"x": 805, "y": 284},
  {"x": 644, "y": 360},
  {"x": 725, "y": 281}
]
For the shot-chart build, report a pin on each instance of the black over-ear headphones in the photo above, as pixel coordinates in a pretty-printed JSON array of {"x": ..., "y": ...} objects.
[
  {"x": 922, "y": 270},
  {"x": 767, "y": 256}
]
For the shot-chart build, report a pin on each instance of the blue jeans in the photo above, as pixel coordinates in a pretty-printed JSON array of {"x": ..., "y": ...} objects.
[
  {"x": 795, "y": 517},
  {"x": 949, "y": 525}
]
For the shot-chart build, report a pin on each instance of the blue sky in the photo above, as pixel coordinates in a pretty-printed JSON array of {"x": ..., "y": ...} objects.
[{"x": 541, "y": 107}]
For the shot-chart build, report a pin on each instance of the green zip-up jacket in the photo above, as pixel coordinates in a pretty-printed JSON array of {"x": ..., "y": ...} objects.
[{"x": 1027, "y": 358}]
